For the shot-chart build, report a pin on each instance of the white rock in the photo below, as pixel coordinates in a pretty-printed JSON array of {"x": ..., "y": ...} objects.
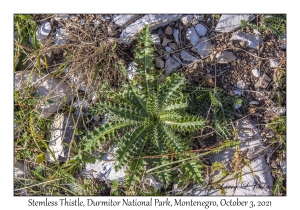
[
  {"x": 105, "y": 169},
  {"x": 201, "y": 30},
  {"x": 191, "y": 35},
  {"x": 168, "y": 52},
  {"x": 251, "y": 40},
  {"x": 203, "y": 47},
  {"x": 60, "y": 91},
  {"x": 171, "y": 65},
  {"x": 24, "y": 78},
  {"x": 198, "y": 17},
  {"x": 61, "y": 36},
  {"x": 263, "y": 81},
  {"x": 277, "y": 110},
  {"x": 151, "y": 180},
  {"x": 105, "y": 118},
  {"x": 43, "y": 31},
  {"x": 186, "y": 57},
  {"x": 61, "y": 133},
  {"x": 154, "y": 21},
  {"x": 155, "y": 39},
  {"x": 121, "y": 20},
  {"x": 228, "y": 23},
  {"x": 225, "y": 57},
  {"x": 77, "y": 80},
  {"x": 58, "y": 17},
  {"x": 283, "y": 167},
  {"x": 241, "y": 85},
  {"x": 20, "y": 169},
  {"x": 255, "y": 72},
  {"x": 261, "y": 183},
  {"x": 254, "y": 102},
  {"x": 273, "y": 63},
  {"x": 131, "y": 70},
  {"x": 186, "y": 19},
  {"x": 80, "y": 104},
  {"x": 106, "y": 17},
  {"x": 176, "y": 34},
  {"x": 237, "y": 92}
]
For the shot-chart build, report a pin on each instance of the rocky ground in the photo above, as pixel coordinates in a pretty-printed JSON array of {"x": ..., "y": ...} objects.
[{"x": 211, "y": 50}]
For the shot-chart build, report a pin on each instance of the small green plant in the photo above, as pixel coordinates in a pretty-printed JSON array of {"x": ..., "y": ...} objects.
[
  {"x": 276, "y": 23},
  {"x": 149, "y": 119},
  {"x": 219, "y": 103}
]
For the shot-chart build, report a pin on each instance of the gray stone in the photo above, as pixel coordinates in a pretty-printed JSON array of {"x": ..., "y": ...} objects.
[
  {"x": 96, "y": 118},
  {"x": 283, "y": 167},
  {"x": 203, "y": 47},
  {"x": 20, "y": 169},
  {"x": 273, "y": 63},
  {"x": 131, "y": 70},
  {"x": 52, "y": 91},
  {"x": 171, "y": 65},
  {"x": 191, "y": 35},
  {"x": 277, "y": 110},
  {"x": 105, "y": 169},
  {"x": 168, "y": 30},
  {"x": 168, "y": 52},
  {"x": 159, "y": 63},
  {"x": 201, "y": 30},
  {"x": 155, "y": 39},
  {"x": 24, "y": 78},
  {"x": 237, "y": 92},
  {"x": 176, "y": 34},
  {"x": 152, "y": 181},
  {"x": 79, "y": 82},
  {"x": 61, "y": 133},
  {"x": 263, "y": 81},
  {"x": 186, "y": 57},
  {"x": 61, "y": 36},
  {"x": 251, "y": 40},
  {"x": 241, "y": 85},
  {"x": 166, "y": 41},
  {"x": 237, "y": 106},
  {"x": 177, "y": 59},
  {"x": 173, "y": 46},
  {"x": 154, "y": 21},
  {"x": 186, "y": 19},
  {"x": 228, "y": 23},
  {"x": 80, "y": 105},
  {"x": 260, "y": 183},
  {"x": 254, "y": 102},
  {"x": 105, "y": 119},
  {"x": 43, "y": 31},
  {"x": 122, "y": 20},
  {"x": 225, "y": 57}
]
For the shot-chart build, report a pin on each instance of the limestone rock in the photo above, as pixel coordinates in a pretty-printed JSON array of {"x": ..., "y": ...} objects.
[
  {"x": 186, "y": 57},
  {"x": 191, "y": 35},
  {"x": 176, "y": 34},
  {"x": 203, "y": 47},
  {"x": 260, "y": 183},
  {"x": 225, "y": 57},
  {"x": 201, "y": 30},
  {"x": 263, "y": 81},
  {"x": 251, "y": 40},
  {"x": 154, "y": 21},
  {"x": 228, "y": 23},
  {"x": 171, "y": 65},
  {"x": 122, "y": 20},
  {"x": 61, "y": 130},
  {"x": 186, "y": 19},
  {"x": 105, "y": 169}
]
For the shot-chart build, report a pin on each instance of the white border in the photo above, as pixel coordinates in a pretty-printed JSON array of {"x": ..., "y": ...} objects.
[{"x": 8, "y": 8}]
